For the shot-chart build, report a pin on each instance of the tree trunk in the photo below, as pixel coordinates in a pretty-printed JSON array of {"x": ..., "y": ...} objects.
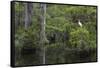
[
  {"x": 43, "y": 39},
  {"x": 28, "y": 14}
]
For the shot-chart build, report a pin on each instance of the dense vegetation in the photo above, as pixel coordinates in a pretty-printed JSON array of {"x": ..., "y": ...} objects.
[{"x": 51, "y": 34}]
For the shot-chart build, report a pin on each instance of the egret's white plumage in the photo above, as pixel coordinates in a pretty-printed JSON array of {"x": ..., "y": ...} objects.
[{"x": 80, "y": 24}]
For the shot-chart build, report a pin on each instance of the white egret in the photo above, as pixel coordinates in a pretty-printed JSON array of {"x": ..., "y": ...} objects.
[{"x": 79, "y": 22}]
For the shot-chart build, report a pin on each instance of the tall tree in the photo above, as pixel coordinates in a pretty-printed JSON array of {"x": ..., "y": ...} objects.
[
  {"x": 43, "y": 39},
  {"x": 28, "y": 14}
]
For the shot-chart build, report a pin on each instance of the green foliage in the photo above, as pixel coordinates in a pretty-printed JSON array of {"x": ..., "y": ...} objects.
[
  {"x": 79, "y": 37},
  {"x": 66, "y": 40}
]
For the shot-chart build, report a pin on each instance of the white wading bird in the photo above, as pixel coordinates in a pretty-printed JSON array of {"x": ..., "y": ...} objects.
[{"x": 80, "y": 24}]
